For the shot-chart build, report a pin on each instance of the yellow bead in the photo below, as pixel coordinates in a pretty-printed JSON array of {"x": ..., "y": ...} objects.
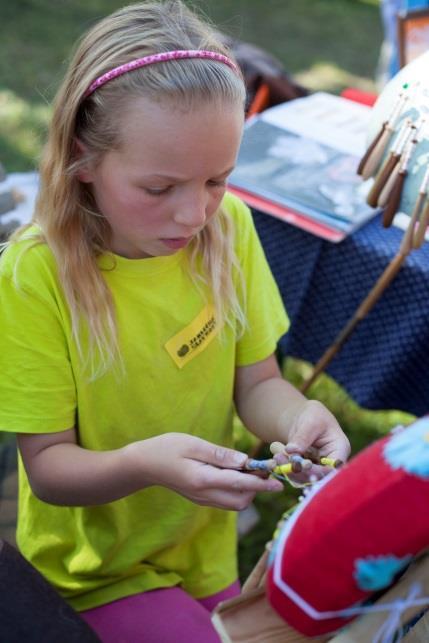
[
  {"x": 330, "y": 462},
  {"x": 283, "y": 469}
]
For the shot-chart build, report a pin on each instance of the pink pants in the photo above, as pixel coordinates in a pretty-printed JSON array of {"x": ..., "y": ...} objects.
[{"x": 160, "y": 616}]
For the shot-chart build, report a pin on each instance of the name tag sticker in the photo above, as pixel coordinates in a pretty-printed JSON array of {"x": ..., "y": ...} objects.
[{"x": 194, "y": 338}]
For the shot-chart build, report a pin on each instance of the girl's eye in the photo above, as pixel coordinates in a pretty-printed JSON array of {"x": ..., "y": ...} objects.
[
  {"x": 157, "y": 191},
  {"x": 217, "y": 184}
]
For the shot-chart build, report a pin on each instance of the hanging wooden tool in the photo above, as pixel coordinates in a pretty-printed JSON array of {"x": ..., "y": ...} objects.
[
  {"x": 408, "y": 242},
  {"x": 394, "y": 197},
  {"x": 388, "y": 166},
  {"x": 372, "y": 157}
]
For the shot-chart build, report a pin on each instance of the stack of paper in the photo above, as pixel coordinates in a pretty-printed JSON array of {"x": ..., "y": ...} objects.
[{"x": 298, "y": 162}]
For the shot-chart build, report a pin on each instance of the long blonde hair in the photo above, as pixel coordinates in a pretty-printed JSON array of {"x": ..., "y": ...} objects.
[{"x": 65, "y": 209}]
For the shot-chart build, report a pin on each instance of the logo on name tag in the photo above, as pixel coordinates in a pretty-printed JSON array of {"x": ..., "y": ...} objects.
[{"x": 193, "y": 339}]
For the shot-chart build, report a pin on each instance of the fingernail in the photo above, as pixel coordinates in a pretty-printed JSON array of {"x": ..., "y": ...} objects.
[
  {"x": 240, "y": 458},
  {"x": 291, "y": 446}
]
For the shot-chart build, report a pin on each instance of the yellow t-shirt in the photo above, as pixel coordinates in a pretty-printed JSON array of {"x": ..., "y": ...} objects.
[{"x": 178, "y": 377}]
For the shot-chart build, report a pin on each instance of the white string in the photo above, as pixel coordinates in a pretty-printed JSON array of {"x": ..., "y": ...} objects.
[{"x": 390, "y": 629}]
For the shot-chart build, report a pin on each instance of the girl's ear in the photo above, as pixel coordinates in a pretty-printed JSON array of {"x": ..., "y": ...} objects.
[{"x": 84, "y": 172}]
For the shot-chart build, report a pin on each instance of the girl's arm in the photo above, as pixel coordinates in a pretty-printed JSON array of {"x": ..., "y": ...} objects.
[
  {"x": 274, "y": 410},
  {"x": 62, "y": 472}
]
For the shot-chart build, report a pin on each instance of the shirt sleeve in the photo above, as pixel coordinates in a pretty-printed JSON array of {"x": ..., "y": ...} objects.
[
  {"x": 266, "y": 317},
  {"x": 37, "y": 389}
]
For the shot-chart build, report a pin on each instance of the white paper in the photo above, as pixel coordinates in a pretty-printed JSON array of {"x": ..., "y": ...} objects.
[{"x": 338, "y": 122}]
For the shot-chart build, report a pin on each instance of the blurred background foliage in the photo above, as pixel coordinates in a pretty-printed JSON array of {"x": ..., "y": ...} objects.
[{"x": 323, "y": 44}]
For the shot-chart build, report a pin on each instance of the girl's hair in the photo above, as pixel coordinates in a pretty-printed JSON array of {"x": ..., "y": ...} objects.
[{"x": 65, "y": 209}]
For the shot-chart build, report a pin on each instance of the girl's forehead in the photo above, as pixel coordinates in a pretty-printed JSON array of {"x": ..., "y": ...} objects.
[
  {"x": 168, "y": 109},
  {"x": 154, "y": 123},
  {"x": 168, "y": 106},
  {"x": 161, "y": 139}
]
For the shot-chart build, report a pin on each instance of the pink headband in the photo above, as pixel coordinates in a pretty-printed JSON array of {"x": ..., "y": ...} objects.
[{"x": 157, "y": 58}]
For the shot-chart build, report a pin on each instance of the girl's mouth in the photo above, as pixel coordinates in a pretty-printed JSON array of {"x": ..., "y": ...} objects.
[{"x": 176, "y": 244}]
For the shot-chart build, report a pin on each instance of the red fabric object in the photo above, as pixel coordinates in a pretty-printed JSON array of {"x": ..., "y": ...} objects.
[
  {"x": 367, "y": 511},
  {"x": 359, "y": 96}
]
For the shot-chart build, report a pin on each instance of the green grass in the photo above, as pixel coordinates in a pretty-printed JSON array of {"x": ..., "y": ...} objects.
[{"x": 324, "y": 44}]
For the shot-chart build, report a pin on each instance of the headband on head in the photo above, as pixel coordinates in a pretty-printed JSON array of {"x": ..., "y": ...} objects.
[{"x": 178, "y": 54}]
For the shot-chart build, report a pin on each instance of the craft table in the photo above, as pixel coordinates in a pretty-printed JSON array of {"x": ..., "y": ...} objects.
[{"x": 384, "y": 363}]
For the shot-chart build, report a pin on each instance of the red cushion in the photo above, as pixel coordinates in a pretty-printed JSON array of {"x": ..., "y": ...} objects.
[{"x": 354, "y": 532}]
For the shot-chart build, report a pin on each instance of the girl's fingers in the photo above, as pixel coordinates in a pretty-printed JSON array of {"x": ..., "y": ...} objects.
[
  {"x": 234, "y": 501},
  {"x": 230, "y": 500},
  {"x": 218, "y": 456},
  {"x": 237, "y": 481}
]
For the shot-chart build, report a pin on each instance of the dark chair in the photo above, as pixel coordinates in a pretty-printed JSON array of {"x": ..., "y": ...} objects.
[{"x": 31, "y": 610}]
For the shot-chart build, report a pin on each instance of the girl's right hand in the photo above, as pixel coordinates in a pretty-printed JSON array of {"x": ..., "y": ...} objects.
[{"x": 205, "y": 473}]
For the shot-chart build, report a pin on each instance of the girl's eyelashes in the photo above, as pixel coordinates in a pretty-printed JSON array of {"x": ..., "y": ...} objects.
[
  {"x": 217, "y": 184},
  {"x": 159, "y": 191}
]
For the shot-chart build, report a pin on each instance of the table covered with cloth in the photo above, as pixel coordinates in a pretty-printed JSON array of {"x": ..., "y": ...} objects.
[{"x": 384, "y": 363}]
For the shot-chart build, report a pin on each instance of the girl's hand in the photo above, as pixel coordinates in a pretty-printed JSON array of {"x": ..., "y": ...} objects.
[
  {"x": 203, "y": 472},
  {"x": 315, "y": 426}
]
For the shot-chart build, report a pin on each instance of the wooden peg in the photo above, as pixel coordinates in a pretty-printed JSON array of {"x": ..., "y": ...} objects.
[
  {"x": 419, "y": 234},
  {"x": 381, "y": 179},
  {"x": 374, "y": 154},
  {"x": 420, "y": 215},
  {"x": 364, "y": 160},
  {"x": 394, "y": 198},
  {"x": 389, "y": 164},
  {"x": 387, "y": 188}
]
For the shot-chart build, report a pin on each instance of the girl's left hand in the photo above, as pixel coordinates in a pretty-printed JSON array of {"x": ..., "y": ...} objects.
[{"x": 315, "y": 426}]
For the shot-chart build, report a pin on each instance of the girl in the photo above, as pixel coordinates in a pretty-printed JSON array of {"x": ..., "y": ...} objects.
[{"x": 135, "y": 310}]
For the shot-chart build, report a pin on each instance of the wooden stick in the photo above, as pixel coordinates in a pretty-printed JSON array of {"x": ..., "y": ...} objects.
[
  {"x": 387, "y": 276},
  {"x": 421, "y": 213},
  {"x": 381, "y": 179},
  {"x": 394, "y": 199},
  {"x": 408, "y": 239},
  {"x": 419, "y": 234},
  {"x": 387, "y": 188},
  {"x": 389, "y": 164},
  {"x": 370, "y": 300},
  {"x": 368, "y": 152},
  {"x": 372, "y": 157}
]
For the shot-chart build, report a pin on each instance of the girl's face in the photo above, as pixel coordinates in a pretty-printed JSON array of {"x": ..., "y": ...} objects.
[{"x": 160, "y": 188}]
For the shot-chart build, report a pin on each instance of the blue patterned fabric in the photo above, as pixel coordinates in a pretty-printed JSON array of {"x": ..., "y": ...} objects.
[{"x": 384, "y": 363}]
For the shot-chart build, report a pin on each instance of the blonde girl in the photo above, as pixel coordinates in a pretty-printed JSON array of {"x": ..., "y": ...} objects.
[{"x": 136, "y": 311}]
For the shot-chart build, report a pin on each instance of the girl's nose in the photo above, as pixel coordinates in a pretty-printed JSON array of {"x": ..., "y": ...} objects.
[{"x": 191, "y": 212}]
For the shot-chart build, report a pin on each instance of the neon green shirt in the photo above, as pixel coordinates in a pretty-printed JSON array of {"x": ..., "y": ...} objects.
[{"x": 155, "y": 537}]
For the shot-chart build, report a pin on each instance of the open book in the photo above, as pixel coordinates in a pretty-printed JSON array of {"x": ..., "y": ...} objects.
[{"x": 298, "y": 162}]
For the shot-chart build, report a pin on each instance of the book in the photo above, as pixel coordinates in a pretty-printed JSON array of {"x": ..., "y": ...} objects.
[{"x": 298, "y": 162}]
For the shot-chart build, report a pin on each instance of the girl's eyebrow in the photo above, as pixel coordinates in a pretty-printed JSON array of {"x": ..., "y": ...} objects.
[{"x": 169, "y": 177}]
